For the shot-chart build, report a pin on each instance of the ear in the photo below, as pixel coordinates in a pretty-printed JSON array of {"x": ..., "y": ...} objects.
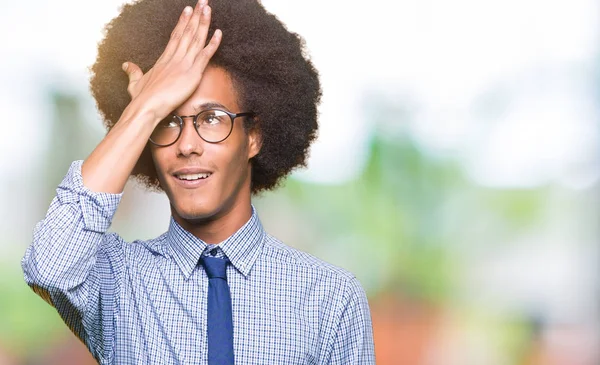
[{"x": 254, "y": 142}]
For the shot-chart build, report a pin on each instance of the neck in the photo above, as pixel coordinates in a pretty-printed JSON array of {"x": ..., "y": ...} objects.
[{"x": 218, "y": 227}]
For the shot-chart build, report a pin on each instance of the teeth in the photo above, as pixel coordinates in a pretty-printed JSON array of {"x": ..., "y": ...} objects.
[{"x": 194, "y": 176}]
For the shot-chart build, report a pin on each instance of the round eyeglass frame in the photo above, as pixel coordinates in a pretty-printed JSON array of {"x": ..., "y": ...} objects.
[{"x": 180, "y": 118}]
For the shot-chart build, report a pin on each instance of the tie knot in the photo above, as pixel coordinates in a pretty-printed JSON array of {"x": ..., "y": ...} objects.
[{"x": 215, "y": 268}]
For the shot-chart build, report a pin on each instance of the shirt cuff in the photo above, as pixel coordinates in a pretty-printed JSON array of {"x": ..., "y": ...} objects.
[{"x": 97, "y": 208}]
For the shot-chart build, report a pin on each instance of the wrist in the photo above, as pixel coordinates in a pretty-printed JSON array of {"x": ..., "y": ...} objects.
[{"x": 140, "y": 113}]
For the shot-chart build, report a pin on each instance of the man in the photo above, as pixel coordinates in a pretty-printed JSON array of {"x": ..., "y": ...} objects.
[{"x": 209, "y": 112}]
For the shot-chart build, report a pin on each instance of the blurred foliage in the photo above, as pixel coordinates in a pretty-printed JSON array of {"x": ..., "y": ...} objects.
[
  {"x": 27, "y": 323},
  {"x": 391, "y": 218},
  {"x": 70, "y": 138},
  {"x": 402, "y": 226}
]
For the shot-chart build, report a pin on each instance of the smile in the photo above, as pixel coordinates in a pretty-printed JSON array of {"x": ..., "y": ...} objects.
[
  {"x": 190, "y": 180},
  {"x": 191, "y": 177}
]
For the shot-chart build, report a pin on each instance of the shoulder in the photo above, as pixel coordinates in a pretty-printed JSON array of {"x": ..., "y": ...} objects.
[
  {"x": 277, "y": 251},
  {"x": 113, "y": 243},
  {"x": 335, "y": 289}
]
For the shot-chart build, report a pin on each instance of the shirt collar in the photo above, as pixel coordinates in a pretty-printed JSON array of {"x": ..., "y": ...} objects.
[{"x": 242, "y": 248}]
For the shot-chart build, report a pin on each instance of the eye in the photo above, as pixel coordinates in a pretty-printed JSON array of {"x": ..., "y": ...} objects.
[
  {"x": 169, "y": 122},
  {"x": 213, "y": 117}
]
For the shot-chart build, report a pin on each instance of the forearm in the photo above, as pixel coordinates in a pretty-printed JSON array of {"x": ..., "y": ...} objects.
[
  {"x": 66, "y": 241},
  {"x": 108, "y": 167},
  {"x": 61, "y": 255},
  {"x": 72, "y": 260}
]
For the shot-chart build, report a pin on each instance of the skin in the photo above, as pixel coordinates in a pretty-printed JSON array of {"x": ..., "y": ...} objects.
[
  {"x": 179, "y": 81},
  {"x": 219, "y": 206}
]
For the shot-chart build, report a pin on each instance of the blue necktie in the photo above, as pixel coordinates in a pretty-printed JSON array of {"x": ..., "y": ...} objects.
[{"x": 220, "y": 324}]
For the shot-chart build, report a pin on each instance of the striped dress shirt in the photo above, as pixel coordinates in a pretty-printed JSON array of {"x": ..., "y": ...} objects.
[{"x": 145, "y": 302}]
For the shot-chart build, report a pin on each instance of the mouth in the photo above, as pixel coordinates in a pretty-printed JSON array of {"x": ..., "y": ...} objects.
[
  {"x": 192, "y": 180},
  {"x": 193, "y": 177}
]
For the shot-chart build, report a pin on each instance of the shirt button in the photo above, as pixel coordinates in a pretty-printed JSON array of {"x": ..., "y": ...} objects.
[{"x": 213, "y": 252}]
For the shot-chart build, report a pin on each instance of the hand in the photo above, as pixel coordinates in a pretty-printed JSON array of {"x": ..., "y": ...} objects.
[{"x": 178, "y": 71}]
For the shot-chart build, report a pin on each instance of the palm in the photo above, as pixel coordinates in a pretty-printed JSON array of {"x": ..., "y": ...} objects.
[{"x": 178, "y": 71}]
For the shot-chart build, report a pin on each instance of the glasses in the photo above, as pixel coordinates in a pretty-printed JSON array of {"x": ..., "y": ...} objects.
[{"x": 212, "y": 125}]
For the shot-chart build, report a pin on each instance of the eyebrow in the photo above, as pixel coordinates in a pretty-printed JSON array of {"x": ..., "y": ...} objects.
[{"x": 198, "y": 108}]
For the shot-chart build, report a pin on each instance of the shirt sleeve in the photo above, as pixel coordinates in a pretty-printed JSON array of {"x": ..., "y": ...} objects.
[
  {"x": 354, "y": 336},
  {"x": 74, "y": 265}
]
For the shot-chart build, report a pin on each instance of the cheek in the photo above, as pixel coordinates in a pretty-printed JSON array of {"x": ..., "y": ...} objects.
[
  {"x": 159, "y": 159},
  {"x": 236, "y": 164},
  {"x": 157, "y": 162}
]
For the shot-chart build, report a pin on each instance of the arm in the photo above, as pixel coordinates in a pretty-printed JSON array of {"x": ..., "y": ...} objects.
[
  {"x": 73, "y": 263},
  {"x": 353, "y": 342}
]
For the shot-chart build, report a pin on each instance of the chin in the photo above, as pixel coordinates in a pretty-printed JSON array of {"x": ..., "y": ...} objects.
[{"x": 198, "y": 212}]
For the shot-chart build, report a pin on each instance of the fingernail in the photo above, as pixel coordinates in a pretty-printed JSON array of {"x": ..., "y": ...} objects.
[
  {"x": 125, "y": 66},
  {"x": 206, "y": 10},
  {"x": 187, "y": 10}
]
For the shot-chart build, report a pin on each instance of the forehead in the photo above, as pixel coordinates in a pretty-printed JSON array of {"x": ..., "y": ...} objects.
[{"x": 216, "y": 88}]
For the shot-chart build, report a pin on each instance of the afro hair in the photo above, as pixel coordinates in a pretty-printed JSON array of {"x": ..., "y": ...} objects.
[{"x": 268, "y": 64}]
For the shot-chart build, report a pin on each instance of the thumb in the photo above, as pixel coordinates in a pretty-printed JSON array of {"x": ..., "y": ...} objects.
[{"x": 133, "y": 72}]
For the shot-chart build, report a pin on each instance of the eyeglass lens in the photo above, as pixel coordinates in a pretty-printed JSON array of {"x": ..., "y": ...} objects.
[{"x": 212, "y": 126}]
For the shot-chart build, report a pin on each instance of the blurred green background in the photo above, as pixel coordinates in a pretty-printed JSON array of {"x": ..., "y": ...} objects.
[{"x": 456, "y": 174}]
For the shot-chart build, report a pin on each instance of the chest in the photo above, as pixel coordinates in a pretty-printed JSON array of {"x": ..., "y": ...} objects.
[{"x": 277, "y": 317}]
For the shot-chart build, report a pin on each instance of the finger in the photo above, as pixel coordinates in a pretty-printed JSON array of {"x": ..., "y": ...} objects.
[
  {"x": 134, "y": 73},
  {"x": 199, "y": 40},
  {"x": 190, "y": 30},
  {"x": 176, "y": 35},
  {"x": 207, "y": 52}
]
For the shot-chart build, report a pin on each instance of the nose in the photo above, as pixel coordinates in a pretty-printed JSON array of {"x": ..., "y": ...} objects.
[{"x": 189, "y": 141}]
